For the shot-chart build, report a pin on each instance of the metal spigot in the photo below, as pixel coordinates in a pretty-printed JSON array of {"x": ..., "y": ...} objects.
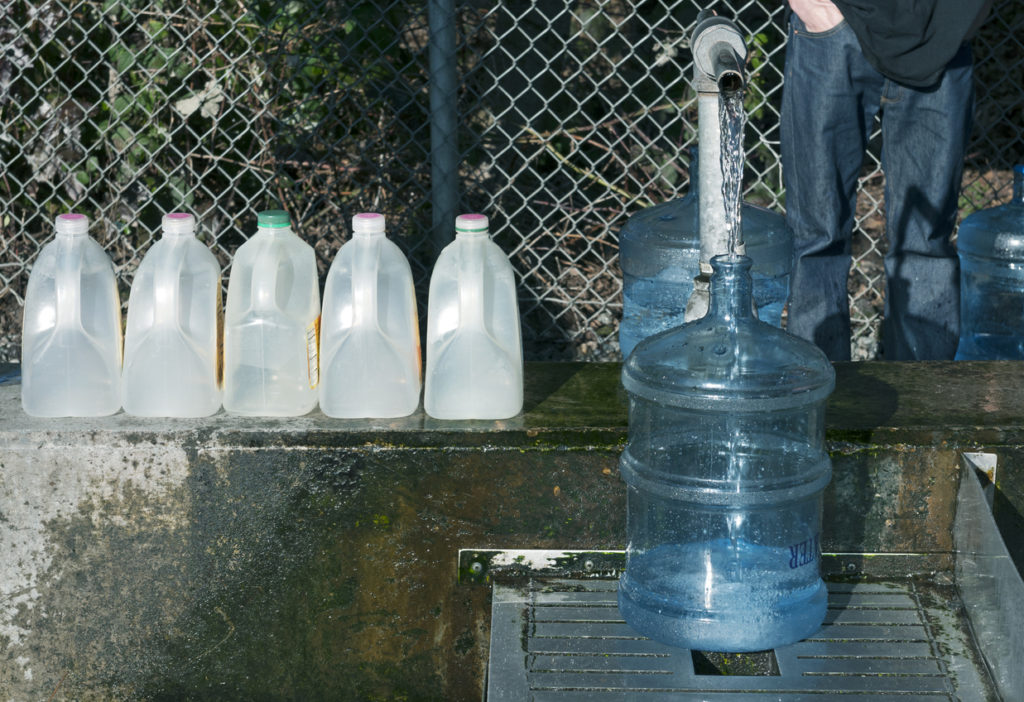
[{"x": 719, "y": 54}]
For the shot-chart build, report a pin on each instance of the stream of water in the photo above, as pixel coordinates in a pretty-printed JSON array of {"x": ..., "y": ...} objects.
[{"x": 732, "y": 118}]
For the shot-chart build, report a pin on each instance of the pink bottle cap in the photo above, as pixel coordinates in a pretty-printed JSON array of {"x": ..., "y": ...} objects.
[
  {"x": 368, "y": 223},
  {"x": 72, "y": 224},
  {"x": 178, "y": 224}
]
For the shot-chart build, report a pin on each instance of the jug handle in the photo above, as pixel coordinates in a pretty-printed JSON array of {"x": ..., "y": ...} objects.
[
  {"x": 166, "y": 284},
  {"x": 471, "y": 284},
  {"x": 68, "y": 283},
  {"x": 364, "y": 283},
  {"x": 264, "y": 279}
]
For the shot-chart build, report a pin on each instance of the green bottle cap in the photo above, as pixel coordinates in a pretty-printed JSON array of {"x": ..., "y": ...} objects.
[{"x": 273, "y": 219}]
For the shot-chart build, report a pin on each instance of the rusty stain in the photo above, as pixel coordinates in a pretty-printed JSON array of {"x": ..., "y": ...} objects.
[{"x": 57, "y": 689}]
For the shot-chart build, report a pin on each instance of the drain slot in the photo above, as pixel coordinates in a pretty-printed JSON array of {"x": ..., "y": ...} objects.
[{"x": 761, "y": 663}]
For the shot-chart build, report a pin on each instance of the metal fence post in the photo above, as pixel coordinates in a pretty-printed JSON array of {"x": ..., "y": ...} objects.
[{"x": 444, "y": 183}]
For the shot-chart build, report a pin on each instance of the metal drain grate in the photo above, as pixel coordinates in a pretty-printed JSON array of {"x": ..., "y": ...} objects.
[{"x": 564, "y": 640}]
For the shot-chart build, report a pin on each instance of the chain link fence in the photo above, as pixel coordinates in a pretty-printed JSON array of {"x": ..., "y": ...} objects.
[{"x": 571, "y": 117}]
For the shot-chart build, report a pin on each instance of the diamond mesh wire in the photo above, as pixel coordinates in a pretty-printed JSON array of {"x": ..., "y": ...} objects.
[{"x": 573, "y": 116}]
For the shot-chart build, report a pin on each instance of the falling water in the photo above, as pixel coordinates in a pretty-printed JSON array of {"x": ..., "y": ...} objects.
[{"x": 732, "y": 118}]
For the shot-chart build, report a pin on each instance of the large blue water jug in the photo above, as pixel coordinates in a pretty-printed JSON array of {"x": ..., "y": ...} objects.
[
  {"x": 990, "y": 244},
  {"x": 659, "y": 252},
  {"x": 725, "y": 469}
]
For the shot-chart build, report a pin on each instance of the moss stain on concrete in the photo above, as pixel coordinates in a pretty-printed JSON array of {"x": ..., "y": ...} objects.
[{"x": 303, "y": 575}]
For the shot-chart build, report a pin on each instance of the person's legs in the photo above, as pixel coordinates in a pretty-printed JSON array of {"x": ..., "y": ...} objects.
[
  {"x": 924, "y": 138},
  {"x": 829, "y": 99}
]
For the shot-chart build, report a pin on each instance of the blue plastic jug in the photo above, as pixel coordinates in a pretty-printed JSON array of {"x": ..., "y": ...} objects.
[
  {"x": 725, "y": 468},
  {"x": 990, "y": 245},
  {"x": 659, "y": 252}
]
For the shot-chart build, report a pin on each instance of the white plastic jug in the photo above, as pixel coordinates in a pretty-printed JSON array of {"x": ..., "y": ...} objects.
[
  {"x": 271, "y": 323},
  {"x": 474, "y": 349},
  {"x": 369, "y": 336},
  {"x": 71, "y": 332},
  {"x": 172, "y": 342}
]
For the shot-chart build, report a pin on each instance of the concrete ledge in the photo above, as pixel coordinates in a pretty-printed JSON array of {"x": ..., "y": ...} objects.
[{"x": 310, "y": 558}]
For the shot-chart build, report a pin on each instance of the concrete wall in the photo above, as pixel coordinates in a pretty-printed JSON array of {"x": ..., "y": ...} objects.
[{"x": 309, "y": 558}]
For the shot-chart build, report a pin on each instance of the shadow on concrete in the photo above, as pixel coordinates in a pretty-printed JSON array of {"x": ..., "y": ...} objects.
[
  {"x": 590, "y": 392},
  {"x": 856, "y": 496},
  {"x": 548, "y": 379},
  {"x": 1011, "y": 525},
  {"x": 862, "y": 401}
]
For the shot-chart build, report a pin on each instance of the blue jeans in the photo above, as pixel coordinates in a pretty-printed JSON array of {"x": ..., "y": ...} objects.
[{"x": 830, "y": 98}]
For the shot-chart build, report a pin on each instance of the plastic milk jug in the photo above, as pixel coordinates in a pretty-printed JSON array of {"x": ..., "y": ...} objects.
[
  {"x": 474, "y": 348},
  {"x": 369, "y": 336},
  {"x": 172, "y": 340},
  {"x": 71, "y": 333},
  {"x": 271, "y": 322}
]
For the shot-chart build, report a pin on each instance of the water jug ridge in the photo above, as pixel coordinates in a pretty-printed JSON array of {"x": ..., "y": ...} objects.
[{"x": 753, "y": 493}]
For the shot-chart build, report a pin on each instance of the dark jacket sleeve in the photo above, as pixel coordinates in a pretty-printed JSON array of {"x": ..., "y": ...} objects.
[{"x": 912, "y": 41}]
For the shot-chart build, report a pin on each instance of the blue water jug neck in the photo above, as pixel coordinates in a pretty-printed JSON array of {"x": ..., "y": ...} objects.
[
  {"x": 731, "y": 287},
  {"x": 1018, "y": 185}
]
